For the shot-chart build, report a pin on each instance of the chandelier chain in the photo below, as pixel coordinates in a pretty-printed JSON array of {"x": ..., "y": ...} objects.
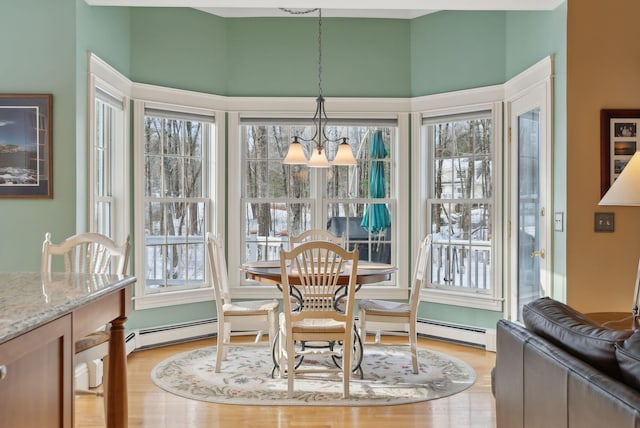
[
  {"x": 305, "y": 12},
  {"x": 320, "y": 52},
  {"x": 299, "y": 11}
]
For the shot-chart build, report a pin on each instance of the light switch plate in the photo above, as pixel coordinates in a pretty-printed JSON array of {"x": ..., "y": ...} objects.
[
  {"x": 558, "y": 222},
  {"x": 604, "y": 222}
]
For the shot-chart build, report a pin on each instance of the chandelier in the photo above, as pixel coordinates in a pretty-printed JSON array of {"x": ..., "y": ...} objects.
[{"x": 318, "y": 159}]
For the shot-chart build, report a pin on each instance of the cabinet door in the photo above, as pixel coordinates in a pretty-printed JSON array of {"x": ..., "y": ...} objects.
[{"x": 37, "y": 387}]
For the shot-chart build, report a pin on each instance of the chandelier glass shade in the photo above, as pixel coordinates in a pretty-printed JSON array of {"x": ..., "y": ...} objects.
[{"x": 318, "y": 159}]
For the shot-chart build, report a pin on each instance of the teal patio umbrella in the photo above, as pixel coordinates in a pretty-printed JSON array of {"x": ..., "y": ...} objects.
[{"x": 376, "y": 216}]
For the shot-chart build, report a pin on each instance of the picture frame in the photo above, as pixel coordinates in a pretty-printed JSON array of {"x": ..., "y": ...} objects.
[
  {"x": 26, "y": 146},
  {"x": 619, "y": 140}
]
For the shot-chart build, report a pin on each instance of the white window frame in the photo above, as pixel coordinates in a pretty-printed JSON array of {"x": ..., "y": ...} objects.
[
  {"x": 188, "y": 102},
  {"x": 103, "y": 79},
  {"x": 489, "y": 98},
  {"x": 339, "y": 108}
]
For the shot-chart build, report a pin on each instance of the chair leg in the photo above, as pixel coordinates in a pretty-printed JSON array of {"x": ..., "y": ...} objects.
[
  {"x": 413, "y": 343},
  {"x": 281, "y": 353},
  {"x": 291, "y": 361},
  {"x": 346, "y": 367},
  {"x": 220, "y": 351},
  {"x": 272, "y": 328}
]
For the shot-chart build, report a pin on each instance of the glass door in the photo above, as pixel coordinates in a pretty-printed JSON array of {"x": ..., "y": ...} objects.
[
  {"x": 530, "y": 242},
  {"x": 529, "y": 226}
]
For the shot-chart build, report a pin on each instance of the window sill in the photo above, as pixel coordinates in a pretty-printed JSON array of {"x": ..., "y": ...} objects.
[{"x": 173, "y": 298}]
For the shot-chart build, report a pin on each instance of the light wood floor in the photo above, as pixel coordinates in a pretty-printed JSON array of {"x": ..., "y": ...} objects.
[{"x": 149, "y": 406}]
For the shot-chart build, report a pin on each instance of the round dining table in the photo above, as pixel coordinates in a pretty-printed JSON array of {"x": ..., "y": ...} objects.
[{"x": 269, "y": 272}]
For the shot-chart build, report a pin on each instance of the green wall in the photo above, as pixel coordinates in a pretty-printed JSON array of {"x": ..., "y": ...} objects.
[
  {"x": 193, "y": 50},
  {"x": 451, "y": 51},
  {"x": 532, "y": 36},
  {"x": 279, "y": 57},
  {"x": 105, "y": 32},
  {"x": 179, "y": 48},
  {"x": 39, "y": 57}
]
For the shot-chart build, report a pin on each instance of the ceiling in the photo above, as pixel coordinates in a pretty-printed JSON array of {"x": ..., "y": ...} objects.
[{"x": 398, "y": 9}]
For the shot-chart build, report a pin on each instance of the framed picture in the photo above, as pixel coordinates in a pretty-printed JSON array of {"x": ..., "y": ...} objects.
[
  {"x": 25, "y": 146},
  {"x": 619, "y": 130}
]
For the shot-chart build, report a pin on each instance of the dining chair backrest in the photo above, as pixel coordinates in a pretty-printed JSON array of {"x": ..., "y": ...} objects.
[
  {"x": 316, "y": 235},
  {"x": 218, "y": 266},
  {"x": 88, "y": 252},
  {"x": 419, "y": 271},
  {"x": 317, "y": 266}
]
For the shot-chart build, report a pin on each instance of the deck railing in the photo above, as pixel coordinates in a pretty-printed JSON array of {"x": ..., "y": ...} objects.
[{"x": 458, "y": 263}]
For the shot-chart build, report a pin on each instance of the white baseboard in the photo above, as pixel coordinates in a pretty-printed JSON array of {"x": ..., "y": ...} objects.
[{"x": 175, "y": 333}]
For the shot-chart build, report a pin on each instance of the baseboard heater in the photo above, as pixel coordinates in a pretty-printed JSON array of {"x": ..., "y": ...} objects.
[
  {"x": 174, "y": 333},
  {"x": 458, "y": 333},
  {"x": 202, "y": 329}
]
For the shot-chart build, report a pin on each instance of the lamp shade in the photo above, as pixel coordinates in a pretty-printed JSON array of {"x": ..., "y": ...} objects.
[
  {"x": 344, "y": 155},
  {"x": 625, "y": 191},
  {"x": 318, "y": 159},
  {"x": 295, "y": 155}
]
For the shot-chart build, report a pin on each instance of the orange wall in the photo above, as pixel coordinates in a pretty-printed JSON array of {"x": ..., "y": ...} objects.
[{"x": 603, "y": 71}]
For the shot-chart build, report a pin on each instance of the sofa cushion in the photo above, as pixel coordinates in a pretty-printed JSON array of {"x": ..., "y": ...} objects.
[
  {"x": 577, "y": 334},
  {"x": 628, "y": 355}
]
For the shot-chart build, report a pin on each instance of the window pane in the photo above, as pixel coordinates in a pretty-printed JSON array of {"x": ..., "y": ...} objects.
[
  {"x": 103, "y": 173},
  {"x": 280, "y": 200},
  {"x": 175, "y": 210},
  {"x": 153, "y": 175},
  {"x": 461, "y": 206},
  {"x": 350, "y": 221},
  {"x": 103, "y": 217}
]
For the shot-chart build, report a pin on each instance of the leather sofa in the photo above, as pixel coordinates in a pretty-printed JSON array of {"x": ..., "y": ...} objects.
[{"x": 563, "y": 370}]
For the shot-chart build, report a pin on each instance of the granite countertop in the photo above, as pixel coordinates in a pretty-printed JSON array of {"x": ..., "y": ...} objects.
[{"x": 31, "y": 299}]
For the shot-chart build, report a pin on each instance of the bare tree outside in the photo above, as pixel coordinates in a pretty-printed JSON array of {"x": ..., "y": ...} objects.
[
  {"x": 461, "y": 208},
  {"x": 281, "y": 200},
  {"x": 175, "y": 214}
]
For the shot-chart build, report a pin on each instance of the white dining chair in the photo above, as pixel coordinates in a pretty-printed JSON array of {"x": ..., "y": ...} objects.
[
  {"x": 237, "y": 318},
  {"x": 315, "y": 235},
  {"x": 402, "y": 315},
  {"x": 313, "y": 269},
  {"x": 88, "y": 253}
]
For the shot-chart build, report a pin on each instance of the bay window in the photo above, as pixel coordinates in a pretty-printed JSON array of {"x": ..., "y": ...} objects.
[
  {"x": 461, "y": 206},
  {"x": 277, "y": 200},
  {"x": 108, "y": 152},
  {"x": 175, "y": 202}
]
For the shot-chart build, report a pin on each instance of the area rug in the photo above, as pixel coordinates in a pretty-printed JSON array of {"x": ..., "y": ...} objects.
[{"x": 245, "y": 378}]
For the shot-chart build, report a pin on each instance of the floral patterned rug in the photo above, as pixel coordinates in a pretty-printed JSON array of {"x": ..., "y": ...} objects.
[{"x": 245, "y": 378}]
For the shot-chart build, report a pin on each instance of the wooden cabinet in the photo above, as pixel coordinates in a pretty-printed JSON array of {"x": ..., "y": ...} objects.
[
  {"x": 36, "y": 388},
  {"x": 40, "y": 314}
]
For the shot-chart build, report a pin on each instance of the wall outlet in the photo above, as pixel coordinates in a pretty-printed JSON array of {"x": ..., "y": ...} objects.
[{"x": 604, "y": 222}]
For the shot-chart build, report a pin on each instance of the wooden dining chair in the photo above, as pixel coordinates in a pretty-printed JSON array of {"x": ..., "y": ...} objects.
[
  {"x": 88, "y": 253},
  {"x": 318, "y": 235},
  {"x": 313, "y": 269},
  {"x": 315, "y": 235},
  {"x": 241, "y": 318},
  {"x": 401, "y": 314}
]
